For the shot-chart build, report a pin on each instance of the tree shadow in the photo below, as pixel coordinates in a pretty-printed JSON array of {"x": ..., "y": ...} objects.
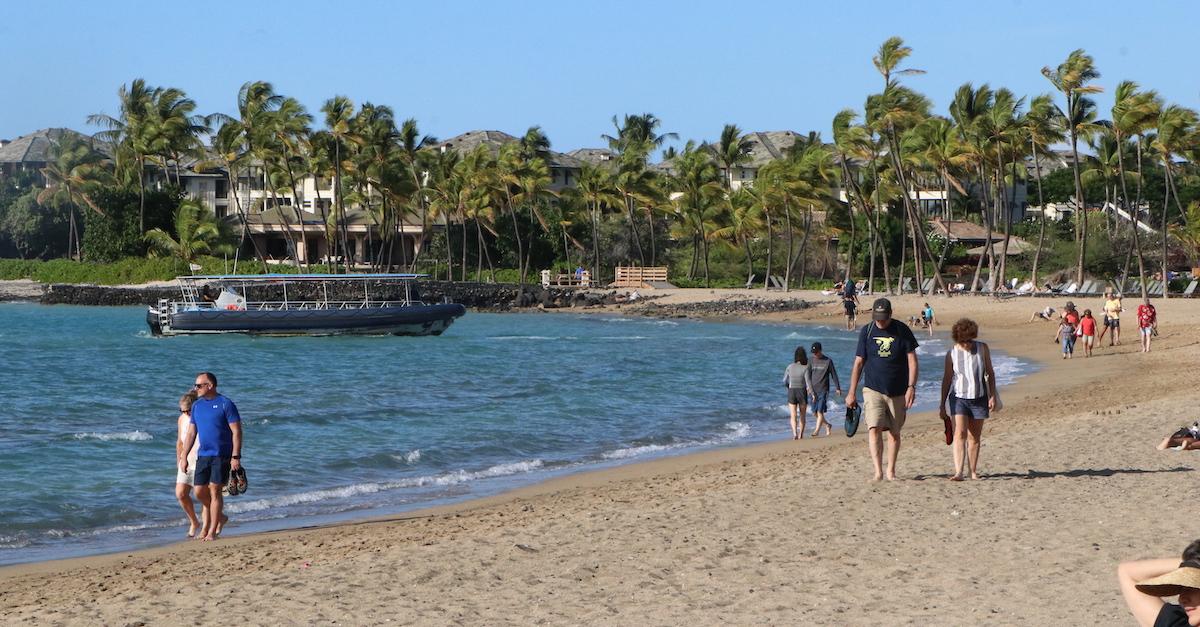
[{"x": 1081, "y": 472}]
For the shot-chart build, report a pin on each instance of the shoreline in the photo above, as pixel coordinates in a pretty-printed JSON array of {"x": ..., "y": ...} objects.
[
  {"x": 607, "y": 472},
  {"x": 760, "y": 533}
]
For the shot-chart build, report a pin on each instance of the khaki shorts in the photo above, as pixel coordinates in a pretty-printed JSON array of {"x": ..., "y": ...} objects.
[{"x": 883, "y": 412}]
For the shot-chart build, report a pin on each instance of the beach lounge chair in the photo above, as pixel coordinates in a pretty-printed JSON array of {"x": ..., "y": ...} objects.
[
  {"x": 1190, "y": 290},
  {"x": 1025, "y": 288},
  {"x": 1071, "y": 289},
  {"x": 1159, "y": 289},
  {"x": 1088, "y": 289},
  {"x": 906, "y": 286},
  {"x": 750, "y": 281},
  {"x": 927, "y": 286}
]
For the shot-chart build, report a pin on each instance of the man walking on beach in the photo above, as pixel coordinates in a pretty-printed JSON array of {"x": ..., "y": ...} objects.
[
  {"x": 887, "y": 360},
  {"x": 215, "y": 420},
  {"x": 820, "y": 371},
  {"x": 850, "y": 303}
]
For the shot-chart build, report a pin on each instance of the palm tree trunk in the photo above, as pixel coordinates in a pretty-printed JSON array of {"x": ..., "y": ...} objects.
[
  {"x": 802, "y": 254},
  {"x": 1082, "y": 220},
  {"x": 770, "y": 251},
  {"x": 595, "y": 241},
  {"x": 791, "y": 239},
  {"x": 1037, "y": 254},
  {"x": 1166, "y": 207},
  {"x": 633, "y": 232},
  {"x": 1134, "y": 219}
]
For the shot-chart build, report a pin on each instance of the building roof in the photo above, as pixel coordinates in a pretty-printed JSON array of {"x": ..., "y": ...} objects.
[
  {"x": 36, "y": 147},
  {"x": 595, "y": 156},
  {"x": 470, "y": 140},
  {"x": 766, "y": 146},
  {"x": 969, "y": 232}
]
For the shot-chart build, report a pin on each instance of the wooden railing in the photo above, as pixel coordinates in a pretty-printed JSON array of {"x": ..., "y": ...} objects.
[{"x": 635, "y": 276}]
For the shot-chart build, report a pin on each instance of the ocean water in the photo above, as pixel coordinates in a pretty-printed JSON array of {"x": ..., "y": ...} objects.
[{"x": 349, "y": 427}]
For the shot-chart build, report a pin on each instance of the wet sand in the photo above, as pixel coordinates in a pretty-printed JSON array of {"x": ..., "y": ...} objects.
[{"x": 784, "y": 532}]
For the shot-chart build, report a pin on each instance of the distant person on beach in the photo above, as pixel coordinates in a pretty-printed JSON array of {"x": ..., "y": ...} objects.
[
  {"x": 1045, "y": 314},
  {"x": 184, "y": 480},
  {"x": 820, "y": 371},
  {"x": 1087, "y": 332},
  {"x": 795, "y": 379},
  {"x": 218, "y": 426},
  {"x": 886, "y": 359},
  {"x": 1066, "y": 336},
  {"x": 1112, "y": 320},
  {"x": 1147, "y": 317},
  {"x": 969, "y": 390},
  {"x": 1185, "y": 439},
  {"x": 850, "y": 304},
  {"x": 927, "y": 318},
  {"x": 1144, "y": 584}
]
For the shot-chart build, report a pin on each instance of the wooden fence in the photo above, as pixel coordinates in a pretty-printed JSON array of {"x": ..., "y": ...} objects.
[{"x": 638, "y": 276}]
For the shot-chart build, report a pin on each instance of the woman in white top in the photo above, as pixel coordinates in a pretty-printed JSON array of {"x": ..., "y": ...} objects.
[
  {"x": 184, "y": 481},
  {"x": 968, "y": 393}
]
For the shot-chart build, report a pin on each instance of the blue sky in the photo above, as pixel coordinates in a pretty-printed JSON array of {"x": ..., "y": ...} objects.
[{"x": 570, "y": 66}]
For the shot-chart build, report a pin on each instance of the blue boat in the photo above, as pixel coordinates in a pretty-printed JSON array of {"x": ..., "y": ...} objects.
[{"x": 309, "y": 311}]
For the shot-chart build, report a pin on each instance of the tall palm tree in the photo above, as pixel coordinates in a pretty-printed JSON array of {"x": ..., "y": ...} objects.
[
  {"x": 1043, "y": 129},
  {"x": 745, "y": 221},
  {"x": 595, "y": 189},
  {"x": 732, "y": 150},
  {"x": 968, "y": 109},
  {"x": 937, "y": 143},
  {"x": 413, "y": 147},
  {"x": 196, "y": 232},
  {"x": 74, "y": 174},
  {"x": 1177, "y": 131},
  {"x": 128, "y": 133},
  {"x": 1133, "y": 113},
  {"x": 699, "y": 198},
  {"x": 339, "y": 113},
  {"x": 1071, "y": 79}
]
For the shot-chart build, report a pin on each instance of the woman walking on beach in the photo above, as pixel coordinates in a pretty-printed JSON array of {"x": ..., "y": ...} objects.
[
  {"x": 1147, "y": 317},
  {"x": 969, "y": 390},
  {"x": 1087, "y": 331},
  {"x": 1144, "y": 583},
  {"x": 795, "y": 379},
  {"x": 184, "y": 481}
]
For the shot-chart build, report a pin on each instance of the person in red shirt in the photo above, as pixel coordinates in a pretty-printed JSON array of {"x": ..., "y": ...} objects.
[
  {"x": 1147, "y": 323},
  {"x": 1087, "y": 331}
]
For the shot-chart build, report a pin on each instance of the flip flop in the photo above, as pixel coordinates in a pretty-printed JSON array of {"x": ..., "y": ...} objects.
[
  {"x": 240, "y": 476},
  {"x": 851, "y": 421},
  {"x": 231, "y": 486},
  {"x": 949, "y": 431}
]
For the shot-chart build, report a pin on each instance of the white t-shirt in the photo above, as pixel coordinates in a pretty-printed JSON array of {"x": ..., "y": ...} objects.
[{"x": 184, "y": 421}]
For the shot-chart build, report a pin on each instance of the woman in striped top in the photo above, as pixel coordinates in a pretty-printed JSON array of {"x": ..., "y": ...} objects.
[{"x": 968, "y": 393}]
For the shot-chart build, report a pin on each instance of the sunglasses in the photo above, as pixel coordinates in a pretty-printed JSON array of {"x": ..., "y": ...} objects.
[{"x": 201, "y": 385}]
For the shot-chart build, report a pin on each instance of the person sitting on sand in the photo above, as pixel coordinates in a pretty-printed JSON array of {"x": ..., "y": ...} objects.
[
  {"x": 820, "y": 371},
  {"x": 969, "y": 391},
  {"x": 795, "y": 379},
  {"x": 185, "y": 480},
  {"x": 1045, "y": 314},
  {"x": 1144, "y": 583},
  {"x": 1185, "y": 439}
]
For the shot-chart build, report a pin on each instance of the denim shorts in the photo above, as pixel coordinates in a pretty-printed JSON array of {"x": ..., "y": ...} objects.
[
  {"x": 974, "y": 408},
  {"x": 820, "y": 402},
  {"x": 211, "y": 470}
]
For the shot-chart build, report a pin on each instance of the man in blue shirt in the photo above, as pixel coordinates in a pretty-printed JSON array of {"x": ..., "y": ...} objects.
[
  {"x": 216, "y": 422},
  {"x": 887, "y": 359}
]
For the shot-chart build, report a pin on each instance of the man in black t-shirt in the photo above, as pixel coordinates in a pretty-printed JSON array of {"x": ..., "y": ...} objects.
[
  {"x": 887, "y": 360},
  {"x": 850, "y": 303}
]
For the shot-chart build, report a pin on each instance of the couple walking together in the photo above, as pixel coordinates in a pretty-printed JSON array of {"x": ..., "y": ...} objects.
[
  {"x": 886, "y": 361},
  {"x": 208, "y": 449}
]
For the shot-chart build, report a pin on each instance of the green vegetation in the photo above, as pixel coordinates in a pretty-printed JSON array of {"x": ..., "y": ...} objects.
[{"x": 708, "y": 212}]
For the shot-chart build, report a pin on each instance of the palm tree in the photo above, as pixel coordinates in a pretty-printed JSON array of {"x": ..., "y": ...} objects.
[
  {"x": 699, "y": 198},
  {"x": 75, "y": 172},
  {"x": 1177, "y": 129},
  {"x": 968, "y": 109},
  {"x": 852, "y": 142},
  {"x": 1042, "y": 128},
  {"x": 197, "y": 233},
  {"x": 128, "y": 134},
  {"x": 1071, "y": 79},
  {"x": 938, "y": 144},
  {"x": 595, "y": 189},
  {"x": 732, "y": 150},
  {"x": 413, "y": 151},
  {"x": 1133, "y": 112},
  {"x": 339, "y": 113},
  {"x": 745, "y": 220}
]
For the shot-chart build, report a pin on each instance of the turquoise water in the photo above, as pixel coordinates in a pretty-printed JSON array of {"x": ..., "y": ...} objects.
[{"x": 346, "y": 427}]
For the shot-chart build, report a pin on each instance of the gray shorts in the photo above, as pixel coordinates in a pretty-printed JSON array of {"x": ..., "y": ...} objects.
[
  {"x": 797, "y": 396},
  {"x": 973, "y": 408}
]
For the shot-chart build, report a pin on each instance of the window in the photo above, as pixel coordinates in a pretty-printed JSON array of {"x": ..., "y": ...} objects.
[{"x": 222, "y": 188}]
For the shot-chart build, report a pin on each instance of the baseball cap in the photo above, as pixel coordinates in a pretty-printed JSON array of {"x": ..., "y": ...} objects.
[{"x": 881, "y": 310}]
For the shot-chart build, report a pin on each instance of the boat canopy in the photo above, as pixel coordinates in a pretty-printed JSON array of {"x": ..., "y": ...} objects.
[{"x": 275, "y": 278}]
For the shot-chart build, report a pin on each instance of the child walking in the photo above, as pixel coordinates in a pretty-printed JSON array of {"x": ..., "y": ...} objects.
[{"x": 1087, "y": 331}]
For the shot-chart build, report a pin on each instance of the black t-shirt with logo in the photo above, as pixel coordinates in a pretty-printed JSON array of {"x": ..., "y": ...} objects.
[
  {"x": 1171, "y": 615},
  {"x": 885, "y": 352}
]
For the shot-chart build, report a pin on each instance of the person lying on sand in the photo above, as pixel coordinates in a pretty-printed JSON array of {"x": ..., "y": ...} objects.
[
  {"x": 1045, "y": 314},
  {"x": 1185, "y": 439},
  {"x": 1144, "y": 583}
]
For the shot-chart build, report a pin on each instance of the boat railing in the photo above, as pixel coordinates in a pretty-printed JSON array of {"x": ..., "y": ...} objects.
[{"x": 280, "y": 305}]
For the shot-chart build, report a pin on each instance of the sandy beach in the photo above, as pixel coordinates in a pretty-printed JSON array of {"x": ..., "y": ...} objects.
[{"x": 779, "y": 533}]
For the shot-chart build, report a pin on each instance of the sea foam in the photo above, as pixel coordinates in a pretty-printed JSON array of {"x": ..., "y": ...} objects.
[{"x": 129, "y": 436}]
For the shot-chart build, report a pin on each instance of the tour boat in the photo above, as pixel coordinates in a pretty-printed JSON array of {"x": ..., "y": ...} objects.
[{"x": 308, "y": 310}]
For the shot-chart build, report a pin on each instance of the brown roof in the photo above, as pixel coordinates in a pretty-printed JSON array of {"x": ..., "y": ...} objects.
[
  {"x": 468, "y": 141},
  {"x": 968, "y": 232},
  {"x": 36, "y": 147}
]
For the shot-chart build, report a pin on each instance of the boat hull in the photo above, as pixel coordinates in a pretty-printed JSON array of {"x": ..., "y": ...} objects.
[{"x": 403, "y": 320}]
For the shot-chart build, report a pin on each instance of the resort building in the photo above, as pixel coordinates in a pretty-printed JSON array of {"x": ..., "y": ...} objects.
[
  {"x": 32, "y": 152},
  {"x": 564, "y": 168}
]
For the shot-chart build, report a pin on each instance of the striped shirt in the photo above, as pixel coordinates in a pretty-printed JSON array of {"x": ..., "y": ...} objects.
[{"x": 968, "y": 371}]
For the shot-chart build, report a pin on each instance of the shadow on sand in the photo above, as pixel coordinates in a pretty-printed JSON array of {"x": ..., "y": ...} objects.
[{"x": 1082, "y": 472}]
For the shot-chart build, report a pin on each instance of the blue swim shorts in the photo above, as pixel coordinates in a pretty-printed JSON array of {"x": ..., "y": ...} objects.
[
  {"x": 820, "y": 402},
  {"x": 211, "y": 470},
  {"x": 975, "y": 408}
]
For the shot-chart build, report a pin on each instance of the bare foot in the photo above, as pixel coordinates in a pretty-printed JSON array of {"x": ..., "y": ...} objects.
[
  {"x": 956, "y": 478},
  {"x": 191, "y": 530},
  {"x": 221, "y": 524},
  {"x": 876, "y": 478},
  {"x": 975, "y": 477},
  {"x": 795, "y": 436},
  {"x": 891, "y": 477}
]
